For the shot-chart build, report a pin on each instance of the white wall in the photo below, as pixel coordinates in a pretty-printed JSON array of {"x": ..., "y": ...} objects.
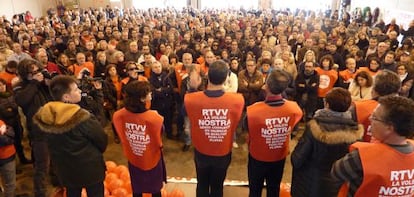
[
  {"x": 36, "y": 7},
  {"x": 402, "y": 10}
]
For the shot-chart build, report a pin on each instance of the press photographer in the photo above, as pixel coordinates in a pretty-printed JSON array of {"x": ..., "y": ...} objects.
[
  {"x": 31, "y": 93},
  {"x": 92, "y": 94}
]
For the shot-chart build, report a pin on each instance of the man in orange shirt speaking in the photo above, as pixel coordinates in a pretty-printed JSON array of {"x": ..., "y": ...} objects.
[{"x": 214, "y": 116}]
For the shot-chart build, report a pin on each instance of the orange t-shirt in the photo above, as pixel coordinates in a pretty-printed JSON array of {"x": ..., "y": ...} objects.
[
  {"x": 140, "y": 134},
  {"x": 8, "y": 77},
  {"x": 76, "y": 69},
  {"x": 347, "y": 75},
  {"x": 389, "y": 174},
  {"x": 213, "y": 121},
  {"x": 327, "y": 80},
  {"x": 270, "y": 128},
  {"x": 8, "y": 150},
  {"x": 363, "y": 110}
]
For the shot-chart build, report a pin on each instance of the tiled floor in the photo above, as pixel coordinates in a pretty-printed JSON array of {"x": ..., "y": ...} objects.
[{"x": 179, "y": 164}]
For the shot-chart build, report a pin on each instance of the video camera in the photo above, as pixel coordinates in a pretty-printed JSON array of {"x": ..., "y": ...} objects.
[
  {"x": 86, "y": 74},
  {"x": 47, "y": 75}
]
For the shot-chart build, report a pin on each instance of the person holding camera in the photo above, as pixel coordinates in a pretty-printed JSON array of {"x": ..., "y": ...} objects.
[
  {"x": 92, "y": 94},
  {"x": 75, "y": 138},
  {"x": 31, "y": 93}
]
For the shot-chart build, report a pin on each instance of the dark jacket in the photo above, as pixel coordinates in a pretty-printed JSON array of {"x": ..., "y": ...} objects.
[
  {"x": 110, "y": 93},
  {"x": 326, "y": 139},
  {"x": 30, "y": 96},
  {"x": 76, "y": 143},
  {"x": 307, "y": 92},
  {"x": 252, "y": 90},
  {"x": 162, "y": 91}
]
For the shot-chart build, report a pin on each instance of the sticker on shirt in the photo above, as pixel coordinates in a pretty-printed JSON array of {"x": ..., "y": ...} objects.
[
  {"x": 277, "y": 131},
  {"x": 137, "y": 138},
  {"x": 402, "y": 184},
  {"x": 324, "y": 81},
  {"x": 215, "y": 124}
]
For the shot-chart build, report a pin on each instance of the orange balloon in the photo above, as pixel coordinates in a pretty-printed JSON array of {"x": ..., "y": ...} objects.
[
  {"x": 127, "y": 185},
  {"x": 124, "y": 176},
  {"x": 106, "y": 192},
  {"x": 121, "y": 168},
  {"x": 110, "y": 166},
  {"x": 284, "y": 190},
  {"x": 164, "y": 192},
  {"x": 110, "y": 176},
  {"x": 119, "y": 192},
  {"x": 115, "y": 184},
  {"x": 176, "y": 193},
  {"x": 84, "y": 193}
]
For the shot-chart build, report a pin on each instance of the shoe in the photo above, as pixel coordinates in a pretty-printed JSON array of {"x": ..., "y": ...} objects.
[
  {"x": 186, "y": 147},
  {"x": 116, "y": 140},
  {"x": 235, "y": 145}
]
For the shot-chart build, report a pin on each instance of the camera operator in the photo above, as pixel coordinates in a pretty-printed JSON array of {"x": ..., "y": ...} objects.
[
  {"x": 32, "y": 92},
  {"x": 92, "y": 94}
]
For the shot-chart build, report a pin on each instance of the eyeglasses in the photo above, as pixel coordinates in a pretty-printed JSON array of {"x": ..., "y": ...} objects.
[
  {"x": 132, "y": 69},
  {"x": 374, "y": 118}
]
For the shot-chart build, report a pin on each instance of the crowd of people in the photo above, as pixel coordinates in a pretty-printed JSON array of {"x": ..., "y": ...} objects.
[{"x": 347, "y": 77}]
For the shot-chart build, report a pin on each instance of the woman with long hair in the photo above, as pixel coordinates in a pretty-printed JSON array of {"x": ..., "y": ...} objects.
[{"x": 361, "y": 87}]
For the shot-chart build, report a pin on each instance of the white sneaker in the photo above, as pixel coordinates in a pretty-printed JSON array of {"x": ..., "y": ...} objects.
[{"x": 235, "y": 145}]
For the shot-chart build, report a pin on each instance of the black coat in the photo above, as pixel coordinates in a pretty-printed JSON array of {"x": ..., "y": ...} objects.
[
  {"x": 307, "y": 92},
  {"x": 162, "y": 91},
  {"x": 326, "y": 139},
  {"x": 30, "y": 96},
  {"x": 76, "y": 142},
  {"x": 110, "y": 93}
]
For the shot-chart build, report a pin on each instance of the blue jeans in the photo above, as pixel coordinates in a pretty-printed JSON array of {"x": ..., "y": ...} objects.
[{"x": 8, "y": 175}]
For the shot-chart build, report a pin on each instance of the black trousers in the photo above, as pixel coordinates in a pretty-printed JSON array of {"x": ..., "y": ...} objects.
[
  {"x": 259, "y": 171},
  {"x": 96, "y": 190},
  {"x": 211, "y": 172}
]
